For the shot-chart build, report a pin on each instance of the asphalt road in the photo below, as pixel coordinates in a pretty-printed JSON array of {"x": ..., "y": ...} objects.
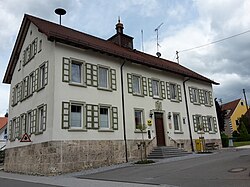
[{"x": 228, "y": 168}]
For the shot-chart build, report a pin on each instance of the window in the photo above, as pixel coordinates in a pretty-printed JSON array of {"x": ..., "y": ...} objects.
[
  {"x": 42, "y": 76},
  {"x": 104, "y": 117},
  {"x": 177, "y": 121},
  {"x": 25, "y": 87},
  {"x": 195, "y": 94},
  {"x": 155, "y": 88},
  {"x": 210, "y": 124},
  {"x": 76, "y": 72},
  {"x": 173, "y": 91},
  {"x": 103, "y": 78},
  {"x": 139, "y": 119},
  {"x": 136, "y": 83},
  {"x": 76, "y": 116},
  {"x": 30, "y": 90},
  {"x": 199, "y": 123},
  {"x": 206, "y": 97},
  {"x": 40, "y": 119}
]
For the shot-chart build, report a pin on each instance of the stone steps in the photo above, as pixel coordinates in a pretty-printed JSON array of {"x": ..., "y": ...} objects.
[{"x": 167, "y": 152}]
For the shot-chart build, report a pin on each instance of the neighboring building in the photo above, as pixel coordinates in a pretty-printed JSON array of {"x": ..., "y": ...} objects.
[
  {"x": 233, "y": 111},
  {"x": 82, "y": 100},
  {"x": 3, "y": 132}
]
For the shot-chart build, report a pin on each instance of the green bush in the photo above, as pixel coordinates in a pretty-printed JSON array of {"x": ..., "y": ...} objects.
[{"x": 224, "y": 140}]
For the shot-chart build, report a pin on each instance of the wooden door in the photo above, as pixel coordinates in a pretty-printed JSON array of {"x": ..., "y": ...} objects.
[{"x": 160, "y": 135}]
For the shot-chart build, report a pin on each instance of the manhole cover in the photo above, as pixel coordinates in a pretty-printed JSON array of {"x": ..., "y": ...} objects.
[{"x": 236, "y": 170}]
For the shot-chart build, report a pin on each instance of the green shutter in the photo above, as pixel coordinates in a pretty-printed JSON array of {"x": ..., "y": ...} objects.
[
  {"x": 65, "y": 115},
  {"x": 150, "y": 89},
  {"x": 215, "y": 125},
  {"x": 95, "y": 75},
  {"x": 95, "y": 120},
  {"x": 88, "y": 74},
  {"x": 211, "y": 98},
  {"x": 46, "y": 73},
  {"x": 115, "y": 118},
  {"x": 130, "y": 86},
  {"x": 10, "y": 130},
  {"x": 179, "y": 92},
  {"x": 66, "y": 70},
  {"x": 89, "y": 116},
  {"x": 191, "y": 95},
  {"x": 168, "y": 90},
  {"x": 44, "y": 116},
  {"x": 163, "y": 90},
  {"x": 113, "y": 79},
  {"x": 195, "y": 123},
  {"x": 35, "y": 79},
  {"x": 144, "y": 86}
]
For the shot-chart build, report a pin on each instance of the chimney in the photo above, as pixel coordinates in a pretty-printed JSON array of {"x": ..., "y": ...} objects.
[{"x": 121, "y": 39}]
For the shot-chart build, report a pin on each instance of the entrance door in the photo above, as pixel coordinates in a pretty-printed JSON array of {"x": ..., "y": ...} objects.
[{"x": 160, "y": 135}]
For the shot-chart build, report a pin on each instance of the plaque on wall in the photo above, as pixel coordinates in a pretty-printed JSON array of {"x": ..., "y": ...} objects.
[{"x": 158, "y": 105}]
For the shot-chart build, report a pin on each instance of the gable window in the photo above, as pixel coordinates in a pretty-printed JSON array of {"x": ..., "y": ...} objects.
[
  {"x": 76, "y": 72},
  {"x": 173, "y": 91},
  {"x": 104, "y": 117},
  {"x": 155, "y": 88},
  {"x": 139, "y": 119},
  {"x": 103, "y": 78},
  {"x": 136, "y": 83},
  {"x": 76, "y": 116},
  {"x": 177, "y": 122}
]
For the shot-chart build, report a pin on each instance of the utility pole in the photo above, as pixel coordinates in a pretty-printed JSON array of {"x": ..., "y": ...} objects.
[{"x": 244, "y": 93}]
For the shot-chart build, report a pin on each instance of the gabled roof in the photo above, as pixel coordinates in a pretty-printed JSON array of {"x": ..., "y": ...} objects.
[
  {"x": 3, "y": 122},
  {"x": 231, "y": 106},
  {"x": 59, "y": 33}
]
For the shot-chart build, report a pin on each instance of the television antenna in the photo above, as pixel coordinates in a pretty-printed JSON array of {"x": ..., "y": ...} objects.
[
  {"x": 158, "y": 54},
  {"x": 60, "y": 12}
]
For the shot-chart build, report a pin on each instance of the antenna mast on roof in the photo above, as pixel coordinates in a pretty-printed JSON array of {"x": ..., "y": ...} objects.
[
  {"x": 142, "y": 46},
  {"x": 158, "y": 54},
  {"x": 60, "y": 12}
]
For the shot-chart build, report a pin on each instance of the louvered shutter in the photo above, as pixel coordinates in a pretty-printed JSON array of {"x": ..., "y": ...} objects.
[
  {"x": 163, "y": 90},
  {"x": 211, "y": 99},
  {"x": 36, "y": 79},
  {"x": 33, "y": 122},
  {"x": 19, "y": 92},
  {"x": 113, "y": 79},
  {"x": 94, "y": 75},
  {"x": 17, "y": 128},
  {"x": 168, "y": 90},
  {"x": 191, "y": 95},
  {"x": 195, "y": 124},
  {"x": 23, "y": 125},
  {"x": 35, "y": 46},
  {"x": 150, "y": 89},
  {"x": 179, "y": 92},
  {"x": 129, "y": 80},
  {"x": 24, "y": 59},
  {"x": 88, "y": 74},
  {"x": 115, "y": 118},
  {"x": 10, "y": 130},
  {"x": 46, "y": 73},
  {"x": 89, "y": 116},
  {"x": 201, "y": 99},
  {"x": 95, "y": 110},
  {"x": 144, "y": 86},
  {"x": 44, "y": 117},
  {"x": 65, "y": 115},
  {"x": 215, "y": 125},
  {"x": 205, "y": 127},
  {"x": 66, "y": 70}
]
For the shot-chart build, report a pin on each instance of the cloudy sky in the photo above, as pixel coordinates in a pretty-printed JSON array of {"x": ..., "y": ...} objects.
[{"x": 186, "y": 24}]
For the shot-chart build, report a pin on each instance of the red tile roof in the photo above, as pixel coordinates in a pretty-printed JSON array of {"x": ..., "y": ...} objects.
[
  {"x": 59, "y": 33},
  {"x": 230, "y": 106},
  {"x": 3, "y": 122}
]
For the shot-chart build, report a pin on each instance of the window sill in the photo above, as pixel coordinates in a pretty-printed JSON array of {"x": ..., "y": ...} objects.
[
  {"x": 208, "y": 105},
  {"x": 39, "y": 89},
  {"x": 178, "y": 132},
  {"x": 138, "y": 131},
  {"x": 104, "y": 89},
  {"x": 77, "y": 130},
  {"x": 38, "y": 133},
  {"x": 157, "y": 98},
  {"x": 199, "y": 132},
  {"x": 77, "y": 84},
  {"x": 138, "y": 94},
  {"x": 175, "y": 100},
  {"x": 195, "y": 103},
  {"x": 105, "y": 130},
  {"x": 212, "y": 132}
]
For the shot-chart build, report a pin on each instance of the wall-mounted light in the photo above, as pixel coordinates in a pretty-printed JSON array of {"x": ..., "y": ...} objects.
[
  {"x": 150, "y": 113},
  {"x": 169, "y": 115}
]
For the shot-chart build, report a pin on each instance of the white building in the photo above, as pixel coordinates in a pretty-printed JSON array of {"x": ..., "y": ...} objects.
[
  {"x": 3, "y": 132},
  {"x": 81, "y": 99}
]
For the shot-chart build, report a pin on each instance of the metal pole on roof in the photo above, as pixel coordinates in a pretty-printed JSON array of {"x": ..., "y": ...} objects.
[
  {"x": 60, "y": 12},
  {"x": 244, "y": 93}
]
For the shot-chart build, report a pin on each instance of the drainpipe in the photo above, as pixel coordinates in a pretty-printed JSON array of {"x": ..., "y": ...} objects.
[
  {"x": 189, "y": 127},
  {"x": 123, "y": 113}
]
